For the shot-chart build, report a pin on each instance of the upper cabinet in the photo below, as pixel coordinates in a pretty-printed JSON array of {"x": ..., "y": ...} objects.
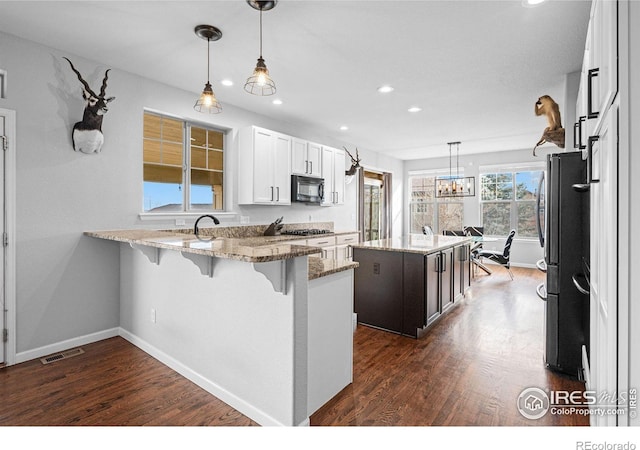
[
  {"x": 306, "y": 158},
  {"x": 264, "y": 175},
  {"x": 333, "y": 168}
]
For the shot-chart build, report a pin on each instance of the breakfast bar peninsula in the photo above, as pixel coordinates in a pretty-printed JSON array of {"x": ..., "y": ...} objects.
[{"x": 245, "y": 318}]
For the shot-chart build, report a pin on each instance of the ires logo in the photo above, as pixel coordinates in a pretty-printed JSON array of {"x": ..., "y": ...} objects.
[{"x": 533, "y": 403}]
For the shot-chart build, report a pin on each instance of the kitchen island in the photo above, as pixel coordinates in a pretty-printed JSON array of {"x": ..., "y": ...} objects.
[
  {"x": 244, "y": 318},
  {"x": 404, "y": 285}
]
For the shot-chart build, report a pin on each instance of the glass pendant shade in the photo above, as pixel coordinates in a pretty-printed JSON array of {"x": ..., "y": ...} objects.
[
  {"x": 260, "y": 83},
  {"x": 208, "y": 103}
]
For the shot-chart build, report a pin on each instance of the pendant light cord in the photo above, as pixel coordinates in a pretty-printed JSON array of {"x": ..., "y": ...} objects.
[
  {"x": 260, "y": 32},
  {"x": 208, "y": 40},
  {"x": 458, "y": 160}
]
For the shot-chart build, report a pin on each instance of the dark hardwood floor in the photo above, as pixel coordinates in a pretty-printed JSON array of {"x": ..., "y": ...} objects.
[{"x": 468, "y": 370}]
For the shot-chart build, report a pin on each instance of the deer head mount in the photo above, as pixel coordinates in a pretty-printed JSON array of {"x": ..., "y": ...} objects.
[
  {"x": 87, "y": 134},
  {"x": 355, "y": 162}
]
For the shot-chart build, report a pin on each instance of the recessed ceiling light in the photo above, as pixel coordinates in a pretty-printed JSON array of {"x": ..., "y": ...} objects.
[
  {"x": 529, "y": 3},
  {"x": 414, "y": 109},
  {"x": 226, "y": 83},
  {"x": 277, "y": 102},
  {"x": 344, "y": 128},
  {"x": 385, "y": 89}
]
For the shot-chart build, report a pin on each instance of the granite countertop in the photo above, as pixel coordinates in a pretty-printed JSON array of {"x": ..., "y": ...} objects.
[
  {"x": 249, "y": 249},
  {"x": 321, "y": 267},
  {"x": 415, "y": 243}
]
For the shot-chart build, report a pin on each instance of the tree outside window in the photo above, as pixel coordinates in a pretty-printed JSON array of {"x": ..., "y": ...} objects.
[{"x": 508, "y": 201}]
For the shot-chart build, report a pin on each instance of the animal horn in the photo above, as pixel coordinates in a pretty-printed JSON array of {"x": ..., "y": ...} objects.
[
  {"x": 350, "y": 155},
  {"x": 104, "y": 84},
  {"x": 84, "y": 83}
]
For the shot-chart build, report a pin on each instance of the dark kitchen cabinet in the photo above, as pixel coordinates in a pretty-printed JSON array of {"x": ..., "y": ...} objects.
[{"x": 446, "y": 279}]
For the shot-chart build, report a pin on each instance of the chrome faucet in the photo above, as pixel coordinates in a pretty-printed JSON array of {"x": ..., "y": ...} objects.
[{"x": 195, "y": 227}]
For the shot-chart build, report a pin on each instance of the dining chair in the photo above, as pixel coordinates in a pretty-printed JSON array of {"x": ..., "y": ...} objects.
[
  {"x": 427, "y": 230},
  {"x": 501, "y": 257},
  {"x": 453, "y": 232}
]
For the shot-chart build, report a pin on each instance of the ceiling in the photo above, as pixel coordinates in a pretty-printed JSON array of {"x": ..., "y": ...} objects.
[{"x": 475, "y": 68}]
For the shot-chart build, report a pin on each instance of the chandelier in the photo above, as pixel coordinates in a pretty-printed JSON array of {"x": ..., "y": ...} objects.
[{"x": 455, "y": 185}]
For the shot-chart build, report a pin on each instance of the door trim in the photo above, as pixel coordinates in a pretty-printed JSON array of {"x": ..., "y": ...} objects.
[{"x": 10, "y": 227}]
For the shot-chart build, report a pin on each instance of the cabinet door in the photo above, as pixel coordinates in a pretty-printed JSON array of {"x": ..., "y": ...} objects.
[
  {"x": 431, "y": 276},
  {"x": 602, "y": 81},
  {"x": 263, "y": 167},
  {"x": 342, "y": 252},
  {"x": 339, "y": 160},
  {"x": 329, "y": 253},
  {"x": 603, "y": 349},
  {"x": 457, "y": 274},
  {"x": 282, "y": 169},
  {"x": 327, "y": 174},
  {"x": 446, "y": 279},
  {"x": 314, "y": 157},
  {"x": 299, "y": 160}
]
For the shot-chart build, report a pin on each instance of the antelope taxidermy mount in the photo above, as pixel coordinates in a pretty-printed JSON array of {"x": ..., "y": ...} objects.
[
  {"x": 554, "y": 132},
  {"x": 355, "y": 162},
  {"x": 87, "y": 135}
]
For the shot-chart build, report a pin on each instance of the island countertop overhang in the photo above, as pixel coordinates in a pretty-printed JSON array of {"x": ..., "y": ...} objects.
[{"x": 416, "y": 243}]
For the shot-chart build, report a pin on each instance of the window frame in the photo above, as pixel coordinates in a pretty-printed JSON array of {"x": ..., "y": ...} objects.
[
  {"x": 435, "y": 201},
  {"x": 514, "y": 202},
  {"x": 186, "y": 211}
]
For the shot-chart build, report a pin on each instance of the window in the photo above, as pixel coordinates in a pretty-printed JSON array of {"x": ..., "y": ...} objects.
[
  {"x": 425, "y": 209},
  {"x": 508, "y": 201},
  {"x": 171, "y": 144}
]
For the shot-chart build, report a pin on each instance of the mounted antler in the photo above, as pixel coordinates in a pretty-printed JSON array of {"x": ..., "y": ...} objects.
[
  {"x": 355, "y": 162},
  {"x": 87, "y": 135}
]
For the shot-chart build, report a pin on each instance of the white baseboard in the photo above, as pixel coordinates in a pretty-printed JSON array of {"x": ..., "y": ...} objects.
[
  {"x": 214, "y": 389},
  {"x": 65, "y": 345}
]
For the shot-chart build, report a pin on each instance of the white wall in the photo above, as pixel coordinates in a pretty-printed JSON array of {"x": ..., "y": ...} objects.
[{"x": 68, "y": 284}]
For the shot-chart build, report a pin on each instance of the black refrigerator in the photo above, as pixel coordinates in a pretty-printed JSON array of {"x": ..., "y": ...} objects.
[{"x": 564, "y": 231}]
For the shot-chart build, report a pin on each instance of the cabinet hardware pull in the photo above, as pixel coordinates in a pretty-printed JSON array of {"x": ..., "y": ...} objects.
[
  {"x": 581, "y": 120},
  {"x": 306, "y": 167},
  {"x": 278, "y": 193},
  {"x": 591, "y": 114},
  {"x": 271, "y": 193},
  {"x": 592, "y": 139},
  {"x": 311, "y": 165},
  {"x": 576, "y": 143}
]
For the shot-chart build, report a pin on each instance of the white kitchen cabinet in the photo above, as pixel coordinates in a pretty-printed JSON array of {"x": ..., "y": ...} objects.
[
  {"x": 343, "y": 245},
  {"x": 326, "y": 243},
  {"x": 598, "y": 109},
  {"x": 602, "y": 72},
  {"x": 306, "y": 158},
  {"x": 333, "y": 168},
  {"x": 264, "y": 167}
]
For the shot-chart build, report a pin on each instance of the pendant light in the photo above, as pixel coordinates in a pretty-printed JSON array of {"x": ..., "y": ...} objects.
[
  {"x": 208, "y": 103},
  {"x": 260, "y": 83},
  {"x": 455, "y": 186}
]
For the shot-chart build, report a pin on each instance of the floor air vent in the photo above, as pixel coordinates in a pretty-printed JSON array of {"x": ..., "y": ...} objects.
[{"x": 62, "y": 355}]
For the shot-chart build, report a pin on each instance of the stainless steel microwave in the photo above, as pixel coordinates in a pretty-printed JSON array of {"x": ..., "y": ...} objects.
[{"x": 307, "y": 189}]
